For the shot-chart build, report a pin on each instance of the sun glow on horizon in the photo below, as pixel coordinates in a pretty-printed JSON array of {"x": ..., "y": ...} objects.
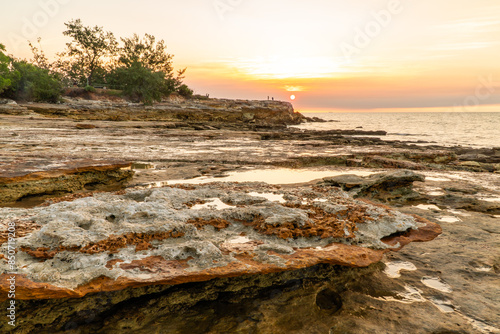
[
  {"x": 430, "y": 54},
  {"x": 295, "y": 67},
  {"x": 452, "y": 109}
]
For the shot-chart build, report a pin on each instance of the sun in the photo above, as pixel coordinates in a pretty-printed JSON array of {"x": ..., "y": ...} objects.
[{"x": 292, "y": 97}]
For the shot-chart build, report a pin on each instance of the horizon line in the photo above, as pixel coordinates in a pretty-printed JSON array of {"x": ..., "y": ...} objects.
[{"x": 454, "y": 109}]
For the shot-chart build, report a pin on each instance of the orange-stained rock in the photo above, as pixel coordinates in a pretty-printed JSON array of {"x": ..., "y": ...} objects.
[
  {"x": 173, "y": 272},
  {"x": 422, "y": 234},
  {"x": 111, "y": 242}
]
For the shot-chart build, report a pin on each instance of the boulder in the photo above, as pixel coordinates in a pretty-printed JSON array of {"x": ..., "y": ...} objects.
[
  {"x": 173, "y": 235},
  {"x": 10, "y": 107},
  {"x": 459, "y": 200},
  {"x": 387, "y": 187}
]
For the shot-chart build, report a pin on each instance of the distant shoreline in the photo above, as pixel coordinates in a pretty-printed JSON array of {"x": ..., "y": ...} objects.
[{"x": 389, "y": 110}]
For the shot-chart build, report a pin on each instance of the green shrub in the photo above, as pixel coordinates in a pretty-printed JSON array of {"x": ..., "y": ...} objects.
[
  {"x": 185, "y": 91},
  {"x": 32, "y": 83},
  {"x": 5, "y": 81},
  {"x": 141, "y": 83},
  {"x": 201, "y": 97},
  {"x": 89, "y": 89}
]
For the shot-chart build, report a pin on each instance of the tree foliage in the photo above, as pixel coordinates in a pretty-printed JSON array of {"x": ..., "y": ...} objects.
[
  {"x": 32, "y": 83},
  {"x": 141, "y": 83},
  {"x": 148, "y": 52},
  {"x": 185, "y": 91},
  {"x": 144, "y": 69},
  {"x": 22, "y": 80},
  {"x": 87, "y": 52},
  {"x": 39, "y": 59},
  {"x": 5, "y": 81},
  {"x": 141, "y": 67}
]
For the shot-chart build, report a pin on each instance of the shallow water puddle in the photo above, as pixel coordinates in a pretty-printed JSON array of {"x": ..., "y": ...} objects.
[
  {"x": 436, "y": 284},
  {"x": 480, "y": 325},
  {"x": 436, "y": 193},
  {"x": 392, "y": 269},
  {"x": 427, "y": 207},
  {"x": 461, "y": 213},
  {"x": 444, "y": 306},
  {"x": 449, "y": 219},
  {"x": 410, "y": 296},
  {"x": 433, "y": 191},
  {"x": 273, "y": 176},
  {"x": 413, "y": 295},
  {"x": 214, "y": 204},
  {"x": 490, "y": 199},
  {"x": 269, "y": 196}
]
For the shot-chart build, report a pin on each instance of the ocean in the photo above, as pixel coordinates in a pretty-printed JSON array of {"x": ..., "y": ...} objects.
[{"x": 475, "y": 129}]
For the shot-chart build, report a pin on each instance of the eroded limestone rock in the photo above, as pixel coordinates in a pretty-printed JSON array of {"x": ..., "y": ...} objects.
[
  {"x": 387, "y": 187},
  {"x": 174, "y": 235},
  {"x": 200, "y": 111},
  {"x": 35, "y": 177},
  {"x": 10, "y": 107}
]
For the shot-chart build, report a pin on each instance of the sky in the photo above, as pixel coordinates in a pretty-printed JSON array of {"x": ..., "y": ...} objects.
[{"x": 356, "y": 55}]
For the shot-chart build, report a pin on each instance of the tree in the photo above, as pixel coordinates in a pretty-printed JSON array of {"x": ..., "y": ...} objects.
[
  {"x": 148, "y": 52},
  {"x": 39, "y": 58},
  {"x": 144, "y": 70},
  {"x": 185, "y": 91},
  {"x": 141, "y": 83},
  {"x": 32, "y": 83},
  {"x": 5, "y": 60},
  {"x": 20, "y": 79},
  {"x": 87, "y": 52}
]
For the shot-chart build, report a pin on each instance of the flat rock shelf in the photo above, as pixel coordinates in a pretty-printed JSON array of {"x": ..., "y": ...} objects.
[
  {"x": 173, "y": 235},
  {"x": 123, "y": 223},
  {"x": 35, "y": 177}
]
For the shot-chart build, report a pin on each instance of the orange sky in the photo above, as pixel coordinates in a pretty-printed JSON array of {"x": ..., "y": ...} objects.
[{"x": 331, "y": 54}]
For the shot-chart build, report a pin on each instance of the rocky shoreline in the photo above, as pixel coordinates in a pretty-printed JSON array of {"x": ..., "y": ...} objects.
[
  {"x": 111, "y": 214},
  {"x": 177, "y": 111}
]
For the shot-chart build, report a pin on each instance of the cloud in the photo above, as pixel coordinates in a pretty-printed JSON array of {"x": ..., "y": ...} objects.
[
  {"x": 464, "y": 46},
  {"x": 471, "y": 25},
  {"x": 289, "y": 88}
]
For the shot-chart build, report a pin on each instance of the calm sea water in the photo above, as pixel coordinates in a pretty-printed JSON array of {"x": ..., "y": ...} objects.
[{"x": 477, "y": 129}]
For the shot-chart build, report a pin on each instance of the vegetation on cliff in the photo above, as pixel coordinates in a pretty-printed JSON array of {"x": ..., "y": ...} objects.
[
  {"x": 4, "y": 69},
  {"x": 22, "y": 80},
  {"x": 140, "y": 67}
]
